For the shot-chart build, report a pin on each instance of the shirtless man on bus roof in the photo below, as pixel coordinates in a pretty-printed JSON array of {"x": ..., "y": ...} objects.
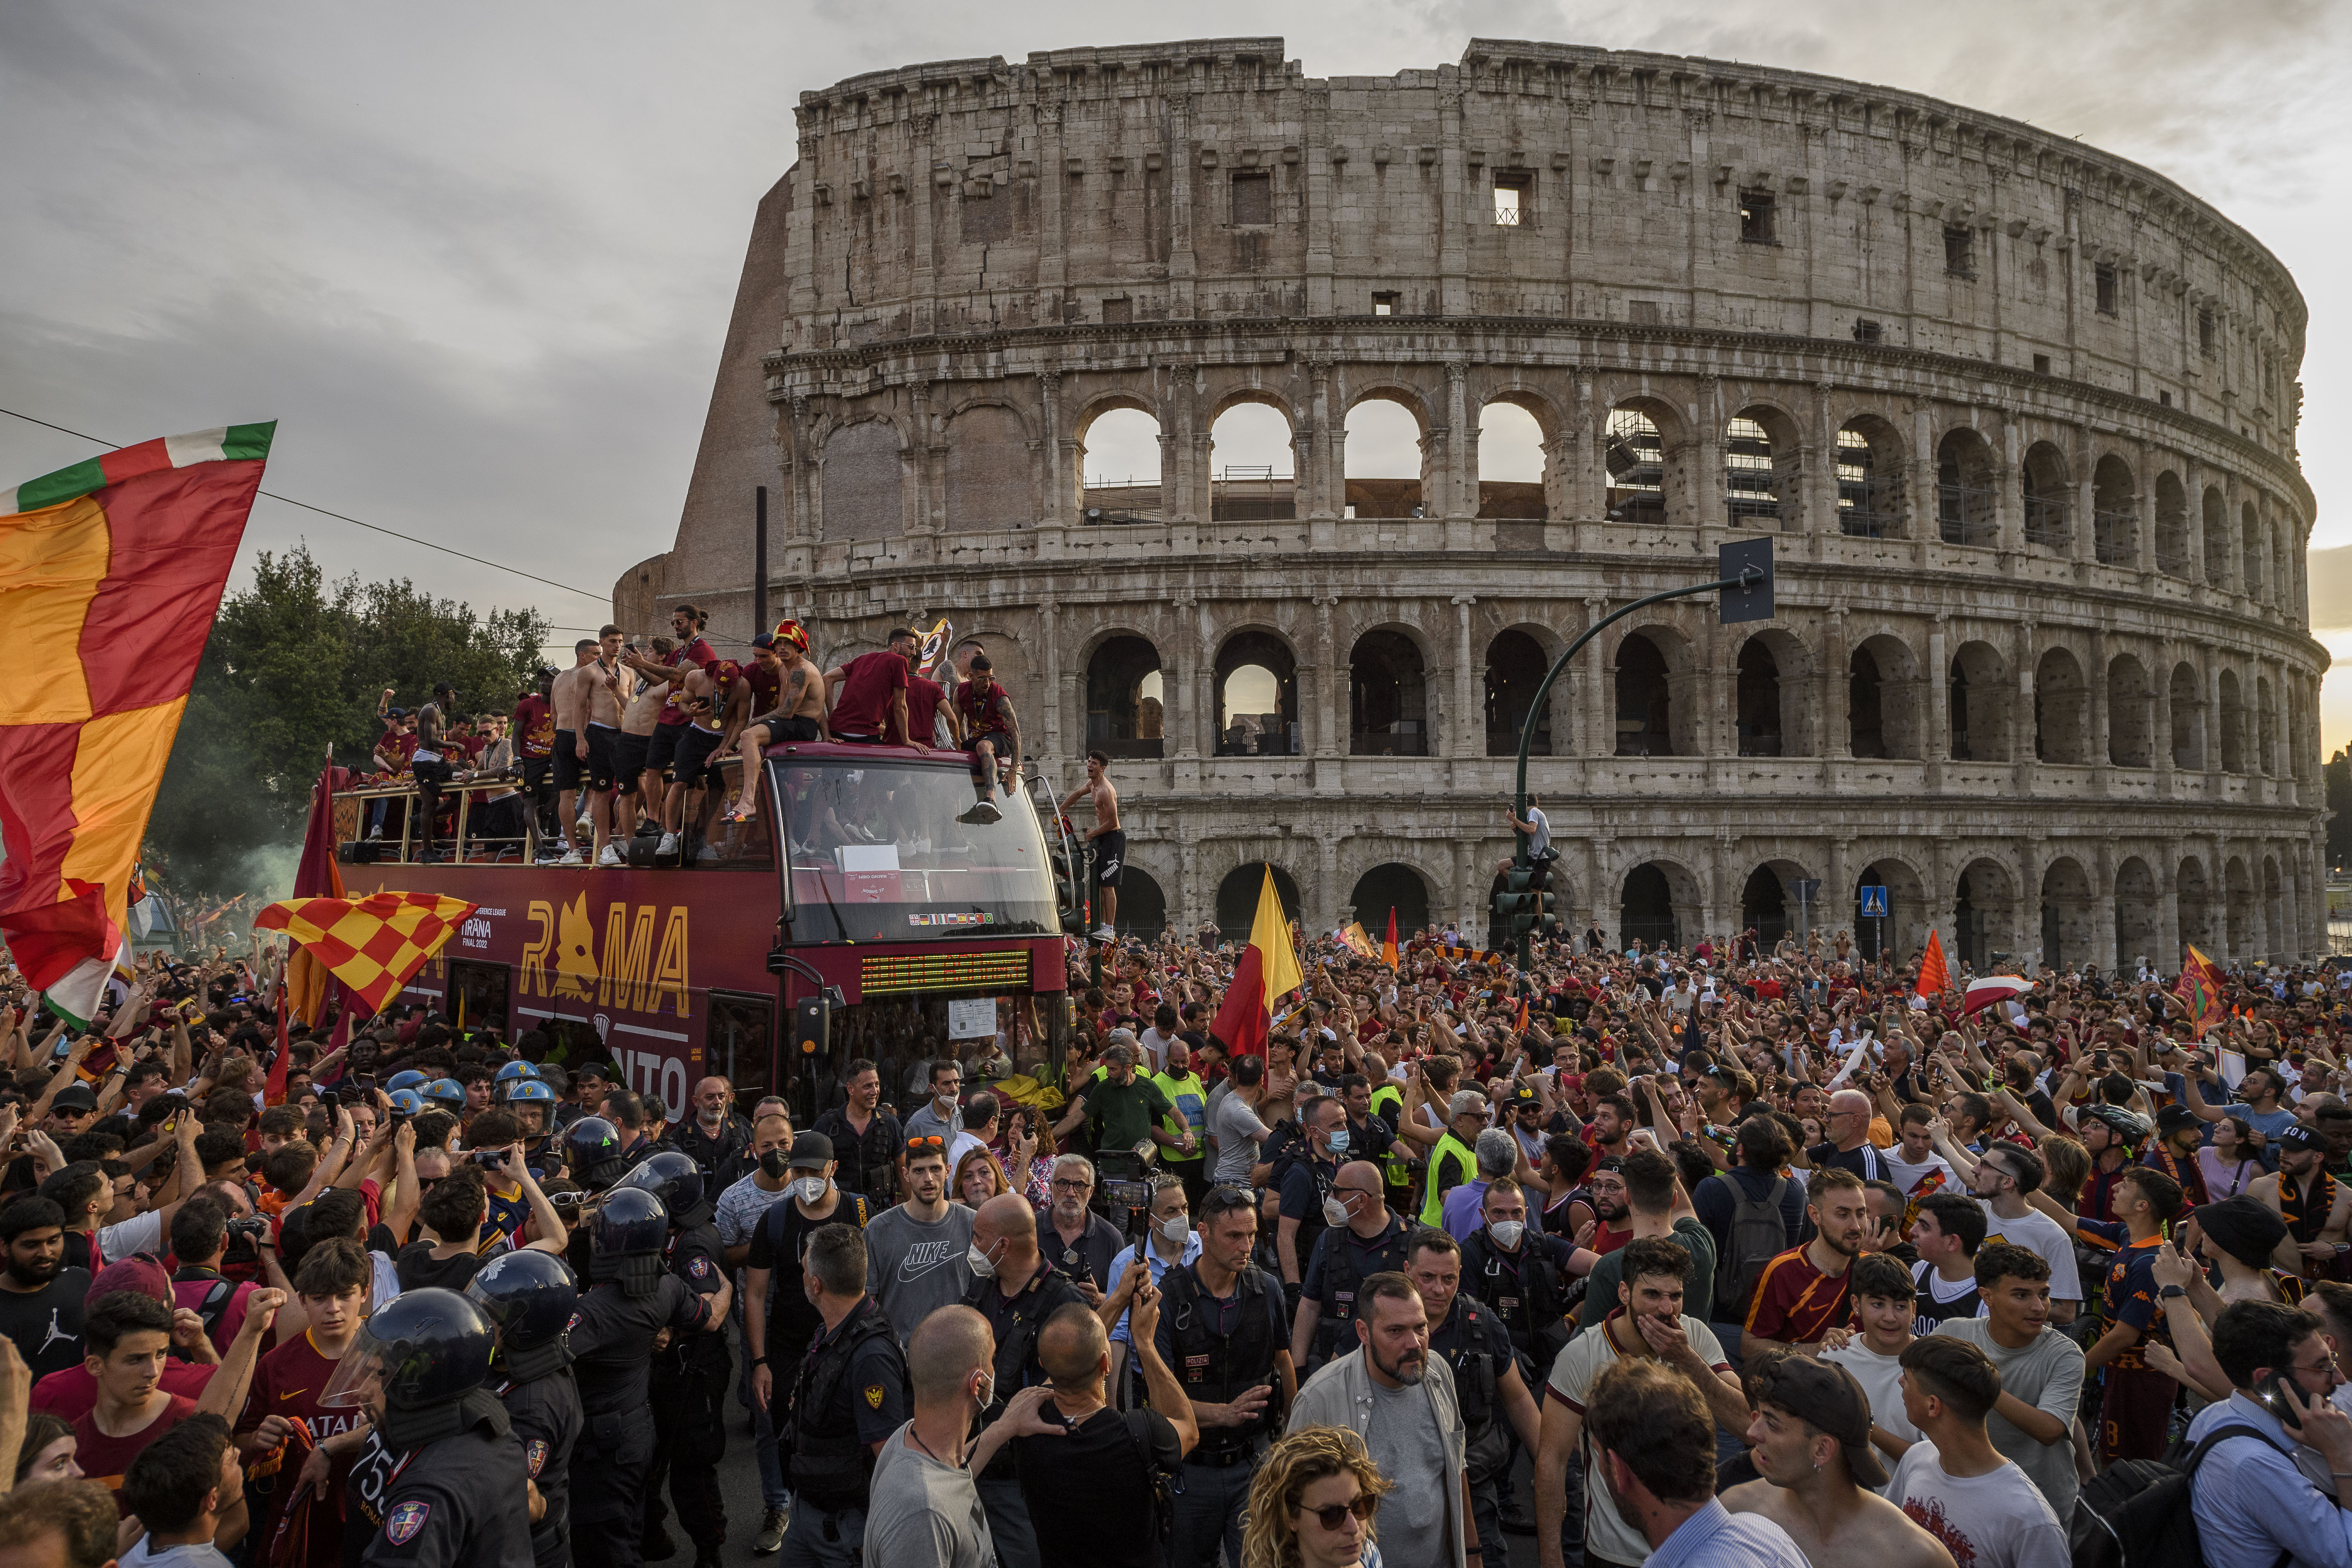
[
  {"x": 1109, "y": 842},
  {"x": 610, "y": 686},
  {"x": 630, "y": 748},
  {"x": 799, "y": 714},
  {"x": 567, "y": 695}
]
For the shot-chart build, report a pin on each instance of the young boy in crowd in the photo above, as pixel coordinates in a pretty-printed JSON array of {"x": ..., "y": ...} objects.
[{"x": 1883, "y": 1306}]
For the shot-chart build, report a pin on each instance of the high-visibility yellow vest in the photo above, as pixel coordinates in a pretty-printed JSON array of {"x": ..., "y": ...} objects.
[{"x": 1449, "y": 1149}]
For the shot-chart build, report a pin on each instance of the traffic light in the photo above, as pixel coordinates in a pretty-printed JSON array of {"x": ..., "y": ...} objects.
[{"x": 1519, "y": 907}]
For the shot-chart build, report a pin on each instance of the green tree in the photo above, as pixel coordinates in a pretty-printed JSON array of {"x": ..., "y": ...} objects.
[{"x": 297, "y": 663}]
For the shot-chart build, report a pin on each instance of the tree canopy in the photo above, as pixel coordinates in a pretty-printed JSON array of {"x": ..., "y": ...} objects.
[{"x": 296, "y": 663}]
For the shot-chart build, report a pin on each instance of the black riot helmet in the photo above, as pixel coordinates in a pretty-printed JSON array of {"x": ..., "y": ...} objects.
[
  {"x": 591, "y": 1148},
  {"x": 422, "y": 1347},
  {"x": 676, "y": 1181},
  {"x": 529, "y": 1296},
  {"x": 625, "y": 1240}
]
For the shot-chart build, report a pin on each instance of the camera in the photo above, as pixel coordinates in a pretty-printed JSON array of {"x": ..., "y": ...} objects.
[
  {"x": 493, "y": 1158},
  {"x": 249, "y": 1224}
]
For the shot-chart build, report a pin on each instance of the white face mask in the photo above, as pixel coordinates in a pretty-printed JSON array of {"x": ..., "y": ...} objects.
[
  {"x": 1334, "y": 1212},
  {"x": 977, "y": 1261},
  {"x": 1506, "y": 1233},
  {"x": 1175, "y": 1230},
  {"x": 809, "y": 1188}
]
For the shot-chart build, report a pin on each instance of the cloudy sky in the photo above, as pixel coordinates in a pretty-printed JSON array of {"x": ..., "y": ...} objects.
[{"x": 478, "y": 261}]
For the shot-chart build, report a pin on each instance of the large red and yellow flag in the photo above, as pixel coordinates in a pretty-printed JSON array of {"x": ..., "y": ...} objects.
[
  {"x": 2200, "y": 985},
  {"x": 1389, "y": 943},
  {"x": 1268, "y": 971},
  {"x": 373, "y": 945},
  {"x": 111, "y": 573}
]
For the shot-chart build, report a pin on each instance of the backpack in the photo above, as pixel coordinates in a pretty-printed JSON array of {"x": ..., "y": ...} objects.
[
  {"x": 1163, "y": 1492},
  {"x": 1758, "y": 1233},
  {"x": 2136, "y": 1513}
]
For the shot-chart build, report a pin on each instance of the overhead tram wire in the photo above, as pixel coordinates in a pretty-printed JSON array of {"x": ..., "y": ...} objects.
[{"x": 340, "y": 517}]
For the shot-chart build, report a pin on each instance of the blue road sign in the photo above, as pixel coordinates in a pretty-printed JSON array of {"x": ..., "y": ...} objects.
[{"x": 1873, "y": 901}]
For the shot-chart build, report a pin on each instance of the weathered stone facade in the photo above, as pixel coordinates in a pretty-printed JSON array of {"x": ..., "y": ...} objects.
[{"x": 2020, "y": 414}]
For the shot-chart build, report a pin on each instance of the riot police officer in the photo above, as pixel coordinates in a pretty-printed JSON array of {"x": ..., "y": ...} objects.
[
  {"x": 439, "y": 1475},
  {"x": 690, "y": 1376},
  {"x": 848, "y": 1395},
  {"x": 592, "y": 1153},
  {"x": 1223, "y": 1332},
  {"x": 1362, "y": 1239},
  {"x": 532, "y": 1103},
  {"x": 632, "y": 1298},
  {"x": 530, "y": 1296},
  {"x": 1494, "y": 1398}
]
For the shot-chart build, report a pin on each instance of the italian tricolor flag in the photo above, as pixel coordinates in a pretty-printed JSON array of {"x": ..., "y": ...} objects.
[{"x": 111, "y": 573}]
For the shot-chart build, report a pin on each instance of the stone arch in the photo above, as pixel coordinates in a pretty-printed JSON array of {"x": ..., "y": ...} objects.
[
  {"x": 1388, "y": 694},
  {"x": 1645, "y": 446},
  {"x": 1514, "y": 457},
  {"x": 1126, "y": 698},
  {"x": 2115, "y": 513},
  {"x": 2131, "y": 714},
  {"x": 1373, "y": 440},
  {"x": 2266, "y": 727},
  {"x": 1984, "y": 914},
  {"x": 861, "y": 481},
  {"x": 2187, "y": 700},
  {"x": 2171, "y": 525},
  {"x": 2066, "y": 924},
  {"x": 1659, "y": 901},
  {"x": 2249, "y": 552},
  {"x": 1120, "y": 447},
  {"x": 1870, "y": 465},
  {"x": 1392, "y": 885},
  {"x": 2193, "y": 895},
  {"x": 1237, "y": 896},
  {"x": 1883, "y": 697},
  {"x": 1762, "y": 466},
  {"x": 1772, "y": 714},
  {"x": 1517, "y": 660},
  {"x": 2061, "y": 709},
  {"x": 2216, "y": 513},
  {"x": 990, "y": 467},
  {"x": 1769, "y": 906},
  {"x": 2139, "y": 916},
  {"x": 1258, "y": 425},
  {"x": 1980, "y": 695},
  {"x": 2042, "y": 485},
  {"x": 1254, "y": 665},
  {"x": 2239, "y": 907},
  {"x": 2275, "y": 940},
  {"x": 2231, "y": 722},
  {"x": 1142, "y": 903},
  {"x": 1657, "y": 716},
  {"x": 1965, "y": 512}
]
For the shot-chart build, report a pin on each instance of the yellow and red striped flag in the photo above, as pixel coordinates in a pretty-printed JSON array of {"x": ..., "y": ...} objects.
[
  {"x": 373, "y": 945},
  {"x": 2200, "y": 985},
  {"x": 111, "y": 573}
]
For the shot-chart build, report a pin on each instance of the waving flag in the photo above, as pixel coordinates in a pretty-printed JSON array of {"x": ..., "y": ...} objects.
[
  {"x": 1354, "y": 938},
  {"x": 1389, "y": 943},
  {"x": 1992, "y": 988},
  {"x": 1934, "y": 975},
  {"x": 373, "y": 945},
  {"x": 1268, "y": 968},
  {"x": 111, "y": 573},
  {"x": 2200, "y": 985}
]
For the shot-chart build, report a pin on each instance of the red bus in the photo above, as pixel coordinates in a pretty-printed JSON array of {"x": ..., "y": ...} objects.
[{"x": 919, "y": 922}]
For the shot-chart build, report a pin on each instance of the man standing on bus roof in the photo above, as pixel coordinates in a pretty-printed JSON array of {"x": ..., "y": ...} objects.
[
  {"x": 534, "y": 746},
  {"x": 1109, "y": 842},
  {"x": 716, "y": 700},
  {"x": 431, "y": 765},
  {"x": 669, "y": 729},
  {"x": 639, "y": 788},
  {"x": 569, "y": 698},
  {"x": 798, "y": 714},
  {"x": 986, "y": 714},
  {"x": 869, "y": 696},
  {"x": 609, "y": 688}
]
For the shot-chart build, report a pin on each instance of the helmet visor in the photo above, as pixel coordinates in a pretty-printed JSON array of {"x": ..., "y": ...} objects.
[{"x": 368, "y": 1365}]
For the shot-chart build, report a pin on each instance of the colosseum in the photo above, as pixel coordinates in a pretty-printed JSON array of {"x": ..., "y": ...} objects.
[{"x": 2019, "y": 415}]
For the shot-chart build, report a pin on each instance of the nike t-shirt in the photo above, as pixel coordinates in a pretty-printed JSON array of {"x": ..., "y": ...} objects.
[
  {"x": 913, "y": 1268},
  {"x": 46, "y": 1323}
]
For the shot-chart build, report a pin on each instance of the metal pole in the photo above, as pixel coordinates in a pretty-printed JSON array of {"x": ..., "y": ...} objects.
[
  {"x": 1528, "y": 733},
  {"x": 760, "y": 559}
]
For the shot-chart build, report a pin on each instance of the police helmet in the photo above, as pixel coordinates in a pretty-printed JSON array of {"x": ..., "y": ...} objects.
[
  {"x": 421, "y": 1348},
  {"x": 591, "y": 1148},
  {"x": 408, "y": 1102},
  {"x": 448, "y": 1093},
  {"x": 630, "y": 1223},
  {"x": 513, "y": 1071},
  {"x": 407, "y": 1078},
  {"x": 671, "y": 1177},
  {"x": 531, "y": 1296},
  {"x": 2123, "y": 1124},
  {"x": 529, "y": 1091}
]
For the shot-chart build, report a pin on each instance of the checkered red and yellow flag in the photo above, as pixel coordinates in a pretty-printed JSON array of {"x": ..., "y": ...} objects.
[{"x": 373, "y": 945}]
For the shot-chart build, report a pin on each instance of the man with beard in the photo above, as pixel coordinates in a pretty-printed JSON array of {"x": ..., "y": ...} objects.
[
  {"x": 1401, "y": 1400},
  {"x": 1495, "y": 1401},
  {"x": 2174, "y": 1151},
  {"x": 41, "y": 1300},
  {"x": 866, "y": 1141},
  {"x": 1081, "y": 1243},
  {"x": 1612, "y": 1123},
  {"x": 1811, "y": 1442},
  {"x": 2002, "y": 1179},
  {"x": 1604, "y": 1189},
  {"x": 911, "y": 1249},
  {"x": 1802, "y": 1293},
  {"x": 1360, "y": 1239},
  {"x": 2314, "y": 1205},
  {"x": 1648, "y": 1323}
]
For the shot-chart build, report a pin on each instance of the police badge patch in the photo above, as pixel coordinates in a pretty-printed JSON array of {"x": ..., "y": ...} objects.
[
  {"x": 404, "y": 1521},
  {"x": 874, "y": 1396},
  {"x": 702, "y": 1268},
  {"x": 535, "y": 1453}
]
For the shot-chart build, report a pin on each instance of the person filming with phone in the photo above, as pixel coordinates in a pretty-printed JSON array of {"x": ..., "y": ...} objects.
[{"x": 2253, "y": 1490}]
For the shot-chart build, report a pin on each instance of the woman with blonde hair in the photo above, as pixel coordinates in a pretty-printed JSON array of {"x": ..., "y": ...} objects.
[
  {"x": 1312, "y": 1501},
  {"x": 978, "y": 1178}
]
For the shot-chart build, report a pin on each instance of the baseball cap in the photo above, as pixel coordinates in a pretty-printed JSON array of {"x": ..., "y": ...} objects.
[
  {"x": 811, "y": 1152},
  {"x": 1825, "y": 1396},
  {"x": 2297, "y": 1137},
  {"x": 75, "y": 1097},
  {"x": 140, "y": 1272},
  {"x": 764, "y": 639},
  {"x": 1524, "y": 1095}
]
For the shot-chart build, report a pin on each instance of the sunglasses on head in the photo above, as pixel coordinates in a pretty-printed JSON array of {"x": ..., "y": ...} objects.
[
  {"x": 1364, "y": 1506},
  {"x": 1220, "y": 1200},
  {"x": 929, "y": 1141}
]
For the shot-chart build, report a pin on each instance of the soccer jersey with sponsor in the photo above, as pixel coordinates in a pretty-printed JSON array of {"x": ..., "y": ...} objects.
[
  {"x": 534, "y": 727},
  {"x": 1795, "y": 1302},
  {"x": 288, "y": 1382}
]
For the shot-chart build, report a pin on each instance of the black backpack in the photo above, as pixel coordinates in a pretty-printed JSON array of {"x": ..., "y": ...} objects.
[
  {"x": 1163, "y": 1488},
  {"x": 1758, "y": 1233},
  {"x": 2136, "y": 1513}
]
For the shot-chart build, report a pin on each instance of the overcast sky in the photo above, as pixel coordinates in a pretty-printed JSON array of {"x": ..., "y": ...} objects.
[{"x": 478, "y": 261}]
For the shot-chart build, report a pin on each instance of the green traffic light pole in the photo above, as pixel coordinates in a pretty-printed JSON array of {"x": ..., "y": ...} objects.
[{"x": 1748, "y": 579}]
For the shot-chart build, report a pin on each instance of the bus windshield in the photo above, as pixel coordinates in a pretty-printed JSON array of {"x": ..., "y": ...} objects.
[{"x": 889, "y": 851}]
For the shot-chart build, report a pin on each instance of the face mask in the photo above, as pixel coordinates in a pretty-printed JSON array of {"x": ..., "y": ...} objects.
[
  {"x": 1334, "y": 1212},
  {"x": 1506, "y": 1233},
  {"x": 810, "y": 1188},
  {"x": 977, "y": 1261},
  {"x": 1339, "y": 1141},
  {"x": 1175, "y": 1230},
  {"x": 776, "y": 1162},
  {"x": 987, "y": 1395}
]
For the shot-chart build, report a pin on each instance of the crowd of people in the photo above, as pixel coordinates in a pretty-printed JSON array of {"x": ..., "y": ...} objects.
[{"x": 1734, "y": 1253}]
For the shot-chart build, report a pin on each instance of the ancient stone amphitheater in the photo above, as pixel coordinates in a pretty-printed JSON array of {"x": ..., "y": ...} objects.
[{"x": 2019, "y": 416}]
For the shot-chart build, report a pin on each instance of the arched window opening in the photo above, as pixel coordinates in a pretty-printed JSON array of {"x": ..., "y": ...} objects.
[
  {"x": 1143, "y": 904},
  {"x": 2249, "y": 552},
  {"x": 1237, "y": 897},
  {"x": 2187, "y": 700},
  {"x": 2139, "y": 916},
  {"x": 1510, "y": 464},
  {"x": 1765, "y": 906},
  {"x": 2195, "y": 897},
  {"x": 1644, "y": 709},
  {"x": 1635, "y": 456},
  {"x": 1390, "y": 888},
  {"x": 2171, "y": 525},
  {"x": 1119, "y": 455},
  {"x": 2059, "y": 708},
  {"x": 1384, "y": 461},
  {"x": 2274, "y": 945},
  {"x": 1978, "y": 705},
  {"x": 2239, "y": 910},
  {"x": 1865, "y": 718},
  {"x": 1515, "y": 668},
  {"x": 1964, "y": 489},
  {"x": 1882, "y": 699},
  {"x": 2042, "y": 479},
  {"x": 1387, "y": 698},
  {"x": 1124, "y": 716},
  {"x": 1646, "y": 913},
  {"x": 2232, "y": 719},
  {"x": 2277, "y": 579},
  {"x": 2115, "y": 514},
  {"x": 2131, "y": 714},
  {"x": 2265, "y": 728},
  {"x": 1250, "y": 465},
  {"x": 1257, "y": 698},
  {"x": 2065, "y": 915},
  {"x": 1870, "y": 481},
  {"x": 2217, "y": 538},
  {"x": 1751, "y": 490},
  {"x": 1761, "y": 734}
]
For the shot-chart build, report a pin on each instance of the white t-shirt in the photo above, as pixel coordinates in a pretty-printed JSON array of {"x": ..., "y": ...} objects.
[
  {"x": 1998, "y": 1519},
  {"x": 1906, "y": 1175},
  {"x": 2039, "y": 1234},
  {"x": 1880, "y": 1377},
  {"x": 1540, "y": 839},
  {"x": 1574, "y": 1373}
]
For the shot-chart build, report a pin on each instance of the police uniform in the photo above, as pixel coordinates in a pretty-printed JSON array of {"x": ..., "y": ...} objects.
[
  {"x": 1219, "y": 1348},
  {"x": 456, "y": 1503},
  {"x": 612, "y": 1344},
  {"x": 1305, "y": 1184},
  {"x": 1523, "y": 1291},
  {"x": 1015, "y": 1323},
  {"x": 1343, "y": 1261},
  {"x": 545, "y": 1413},
  {"x": 1474, "y": 1343},
  {"x": 689, "y": 1383},
  {"x": 850, "y": 1393}
]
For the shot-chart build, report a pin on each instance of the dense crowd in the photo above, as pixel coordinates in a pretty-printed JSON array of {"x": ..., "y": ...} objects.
[{"x": 1739, "y": 1253}]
